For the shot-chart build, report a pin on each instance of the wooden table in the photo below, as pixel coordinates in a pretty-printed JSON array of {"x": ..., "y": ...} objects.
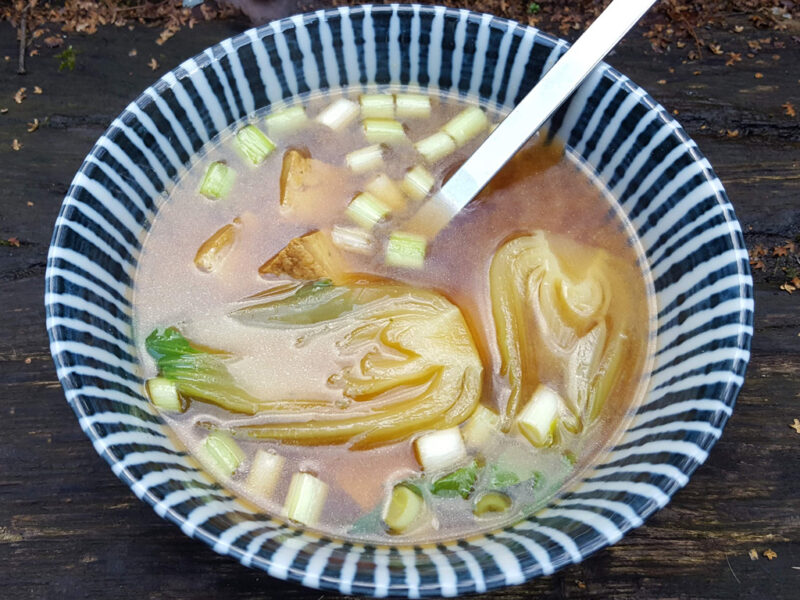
[{"x": 69, "y": 529}]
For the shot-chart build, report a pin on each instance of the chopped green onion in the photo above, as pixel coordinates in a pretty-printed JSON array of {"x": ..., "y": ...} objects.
[
  {"x": 538, "y": 419},
  {"x": 222, "y": 452},
  {"x": 253, "y": 144},
  {"x": 386, "y": 190},
  {"x": 492, "y": 502},
  {"x": 441, "y": 449},
  {"x": 353, "y": 239},
  {"x": 406, "y": 250},
  {"x": 384, "y": 131},
  {"x": 377, "y": 105},
  {"x": 339, "y": 114},
  {"x": 218, "y": 181},
  {"x": 458, "y": 483},
  {"x": 164, "y": 394},
  {"x": 365, "y": 159},
  {"x": 265, "y": 473},
  {"x": 366, "y": 210},
  {"x": 413, "y": 106},
  {"x": 466, "y": 125},
  {"x": 481, "y": 427},
  {"x": 417, "y": 183},
  {"x": 436, "y": 146},
  {"x": 286, "y": 121},
  {"x": 305, "y": 499},
  {"x": 404, "y": 507}
]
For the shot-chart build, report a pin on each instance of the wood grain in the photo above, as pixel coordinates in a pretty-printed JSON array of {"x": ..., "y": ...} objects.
[{"x": 70, "y": 529}]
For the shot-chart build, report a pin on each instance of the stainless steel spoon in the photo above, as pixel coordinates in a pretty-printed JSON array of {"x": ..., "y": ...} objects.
[{"x": 528, "y": 116}]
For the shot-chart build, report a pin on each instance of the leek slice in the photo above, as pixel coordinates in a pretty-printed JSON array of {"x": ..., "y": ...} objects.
[
  {"x": 481, "y": 427},
  {"x": 406, "y": 250},
  {"x": 436, "y": 146},
  {"x": 218, "y": 181},
  {"x": 366, "y": 210},
  {"x": 538, "y": 418},
  {"x": 405, "y": 506},
  {"x": 440, "y": 450},
  {"x": 286, "y": 121},
  {"x": 264, "y": 473},
  {"x": 466, "y": 125},
  {"x": 386, "y": 190},
  {"x": 353, "y": 239},
  {"x": 417, "y": 183},
  {"x": 305, "y": 499},
  {"x": 412, "y": 106},
  {"x": 339, "y": 114},
  {"x": 253, "y": 144},
  {"x": 222, "y": 452},
  {"x": 492, "y": 502},
  {"x": 384, "y": 131},
  {"x": 376, "y": 106},
  {"x": 164, "y": 394},
  {"x": 365, "y": 159}
]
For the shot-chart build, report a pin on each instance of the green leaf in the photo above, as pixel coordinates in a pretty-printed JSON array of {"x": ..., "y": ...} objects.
[
  {"x": 458, "y": 483},
  {"x": 501, "y": 478},
  {"x": 371, "y": 522},
  {"x": 534, "y": 8},
  {"x": 67, "y": 58}
]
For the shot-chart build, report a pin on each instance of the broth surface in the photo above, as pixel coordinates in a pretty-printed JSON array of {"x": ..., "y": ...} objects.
[{"x": 542, "y": 190}]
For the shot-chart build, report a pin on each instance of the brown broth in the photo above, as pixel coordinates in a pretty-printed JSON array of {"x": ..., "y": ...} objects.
[{"x": 545, "y": 191}]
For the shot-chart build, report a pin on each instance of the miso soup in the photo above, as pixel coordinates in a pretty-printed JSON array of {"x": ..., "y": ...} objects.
[{"x": 338, "y": 370}]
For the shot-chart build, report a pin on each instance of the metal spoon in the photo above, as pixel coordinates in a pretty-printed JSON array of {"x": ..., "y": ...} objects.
[{"x": 528, "y": 116}]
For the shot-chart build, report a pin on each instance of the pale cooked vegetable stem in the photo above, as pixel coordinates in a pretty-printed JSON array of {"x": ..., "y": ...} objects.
[
  {"x": 436, "y": 146},
  {"x": 412, "y": 106},
  {"x": 164, "y": 394},
  {"x": 406, "y": 250},
  {"x": 417, "y": 183},
  {"x": 366, "y": 210},
  {"x": 218, "y": 180},
  {"x": 365, "y": 159},
  {"x": 305, "y": 498},
  {"x": 492, "y": 502},
  {"x": 253, "y": 144},
  {"x": 377, "y": 105},
  {"x": 405, "y": 506},
  {"x": 286, "y": 121},
  {"x": 385, "y": 189},
  {"x": 265, "y": 473},
  {"x": 339, "y": 114},
  {"x": 481, "y": 427},
  {"x": 353, "y": 239},
  {"x": 466, "y": 125},
  {"x": 224, "y": 452},
  {"x": 441, "y": 449},
  {"x": 538, "y": 419},
  {"x": 384, "y": 131}
]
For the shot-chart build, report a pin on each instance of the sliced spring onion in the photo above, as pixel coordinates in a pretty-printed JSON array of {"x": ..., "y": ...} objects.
[
  {"x": 366, "y": 210},
  {"x": 218, "y": 181},
  {"x": 384, "y": 131},
  {"x": 406, "y": 250},
  {"x": 265, "y": 473},
  {"x": 214, "y": 250},
  {"x": 365, "y": 159},
  {"x": 386, "y": 190},
  {"x": 286, "y": 121},
  {"x": 481, "y": 427},
  {"x": 339, "y": 114},
  {"x": 417, "y": 183},
  {"x": 223, "y": 452},
  {"x": 537, "y": 421},
  {"x": 377, "y": 106},
  {"x": 164, "y": 394},
  {"x": 435, "y": 146},
  {"x": 492, "y": 502},
  {"x": 413, "y": 106},
  {"x": 441, "y": 449},
  {"x": 403, "y": 509},
  {"x": 253, "y": 144},
  {"x": 466, "y": 125},
  {"x": 353, "y": 239},
  {"x": 460, "y": 482},
  {"x": 305, "y": 499}
]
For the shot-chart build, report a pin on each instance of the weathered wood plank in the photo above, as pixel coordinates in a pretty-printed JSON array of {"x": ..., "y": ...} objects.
[{"x": 70, "y": 529}]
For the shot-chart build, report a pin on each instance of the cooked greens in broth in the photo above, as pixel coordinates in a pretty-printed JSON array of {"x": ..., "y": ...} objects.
[{"x": 341, "y": 371}]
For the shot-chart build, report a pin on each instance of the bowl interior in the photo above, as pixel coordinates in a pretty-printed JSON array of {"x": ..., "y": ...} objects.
[{"x": 677, "y": 206}]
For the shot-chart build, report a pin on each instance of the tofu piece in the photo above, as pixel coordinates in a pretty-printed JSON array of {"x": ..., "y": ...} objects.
[
  {"x": 310, "y": 187},
  {"x": 309, "y": 257}
]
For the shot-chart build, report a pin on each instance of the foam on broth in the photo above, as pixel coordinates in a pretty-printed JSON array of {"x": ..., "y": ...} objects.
[{"x": 547, "y": 192}]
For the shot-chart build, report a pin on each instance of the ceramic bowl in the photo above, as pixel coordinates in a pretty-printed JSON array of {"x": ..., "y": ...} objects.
[{"x": 690, "y": 236}]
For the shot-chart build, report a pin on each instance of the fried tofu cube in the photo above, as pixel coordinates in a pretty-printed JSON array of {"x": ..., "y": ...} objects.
[{"x": 309, "y": 257}]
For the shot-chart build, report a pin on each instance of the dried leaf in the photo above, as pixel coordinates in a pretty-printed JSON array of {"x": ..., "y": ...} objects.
[
  {"x": 789, "y": 109},
  {"x": 779, "y": 251},
  {"x": 53, "y": 41},
  {"x": 20, "y": 95},
  {"x": 15, "y": 145},
  {"x": 758, "y": 265},
  {"x": 12, "y": 241},
  {"x": 662, "y": 82},
  {"x": 733, "y": 58},
  {"x": 738, "y": 29},
  {"x": 796, "y": 282},
  {"x": 153, "y": 64},
  {"x": 769, "y": 554},
  {"x": 3, "y": 110},
  {"x": 37, "y": 89},
  {"x": 132, "y": 52},
  {"x": 753, "y": 554},
  {"x": 759, "y": 76},
  {"x": 33, "y": 125},
  {"x": 788, "y": 287},
  {"x": 796, "y": 425},
  {"x": 715, "y": 48},
  {"x": 732, "y": 133}
]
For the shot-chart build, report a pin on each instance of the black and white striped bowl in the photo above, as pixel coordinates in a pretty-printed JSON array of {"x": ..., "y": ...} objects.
[{"x": 691, "y": 240}]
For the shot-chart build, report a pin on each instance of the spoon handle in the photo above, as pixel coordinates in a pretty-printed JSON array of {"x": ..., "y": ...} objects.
[{"x": 528, "y": 116}]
